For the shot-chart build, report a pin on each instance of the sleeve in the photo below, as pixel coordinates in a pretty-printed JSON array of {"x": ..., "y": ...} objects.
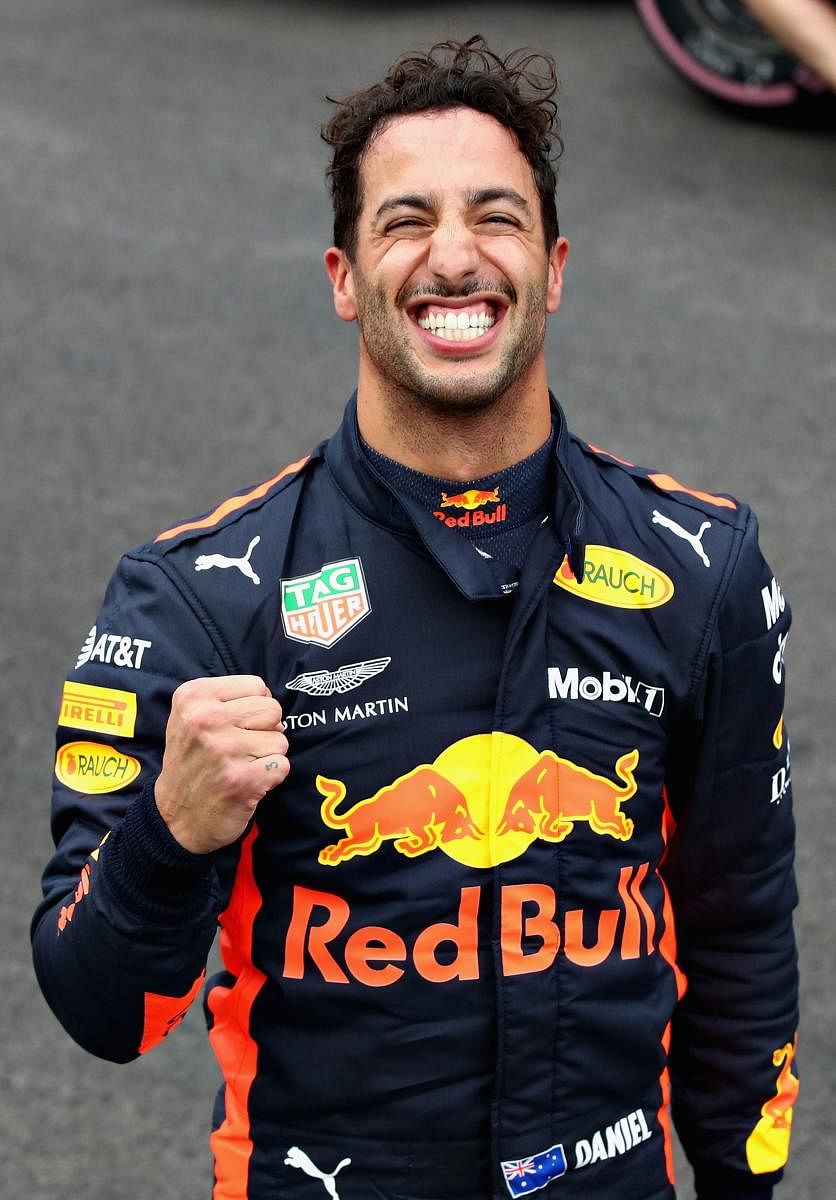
[
  {"x": 121, "y": 937},
  {"x": 730, "y": 873}
]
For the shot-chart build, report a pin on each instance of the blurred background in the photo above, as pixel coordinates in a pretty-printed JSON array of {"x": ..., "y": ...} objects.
[{"x": 166, "y": 337}]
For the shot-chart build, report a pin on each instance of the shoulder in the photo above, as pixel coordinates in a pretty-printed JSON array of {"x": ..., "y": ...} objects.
[
  {"x": 232, "y": 532},
  {"x": 705, "y": 541},
  {"x": 658, "y": 506},
  {"x": 606, "y": 473}
]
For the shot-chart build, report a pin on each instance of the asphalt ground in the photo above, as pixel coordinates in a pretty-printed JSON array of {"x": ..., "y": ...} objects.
[{"x": 166, "y": 337}]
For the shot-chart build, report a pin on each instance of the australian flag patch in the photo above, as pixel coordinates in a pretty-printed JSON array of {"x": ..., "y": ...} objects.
[{"x": 526, "y": 1175}]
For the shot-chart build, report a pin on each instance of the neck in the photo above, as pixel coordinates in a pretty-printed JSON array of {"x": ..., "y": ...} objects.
[{"x": 455, "y": 444}]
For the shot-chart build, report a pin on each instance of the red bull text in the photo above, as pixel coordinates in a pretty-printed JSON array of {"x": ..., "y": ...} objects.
[
  {"x": 373, "y": 954},
  {"x": 472, "y": 501}
]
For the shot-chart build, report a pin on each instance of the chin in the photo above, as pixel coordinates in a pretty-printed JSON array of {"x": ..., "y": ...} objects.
[{"x": 457, "y": 401}]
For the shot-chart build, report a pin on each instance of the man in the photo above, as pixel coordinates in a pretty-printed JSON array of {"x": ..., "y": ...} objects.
[
  {"x": 807, "y": 27},
  {"x": 444, "y": 725}
]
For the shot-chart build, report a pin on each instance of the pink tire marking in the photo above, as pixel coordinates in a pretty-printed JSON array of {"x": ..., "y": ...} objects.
[{"x": 725, "y": 89}]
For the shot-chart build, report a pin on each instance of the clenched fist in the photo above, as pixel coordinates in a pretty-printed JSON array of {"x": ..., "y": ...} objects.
[{"x": 224, "y": 750}]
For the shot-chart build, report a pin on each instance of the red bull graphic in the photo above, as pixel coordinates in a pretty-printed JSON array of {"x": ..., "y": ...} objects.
[
  {"x": 164, "y": 1013},
  {"x": 768, "y": 1145},
  {"x": 532, "y": 934},
  {"x": 67, "y": 912},
  {"x": 554, "y": 794},
  {"x": 473, "y": 501},
  {"x": 420, "y": 811},
  {"x": 483, "y": 801}
]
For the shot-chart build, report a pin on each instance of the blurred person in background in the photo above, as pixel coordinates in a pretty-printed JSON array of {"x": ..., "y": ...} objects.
[
  {"x": 806, "y": 27},
  {"x": 469, "y": 736}
]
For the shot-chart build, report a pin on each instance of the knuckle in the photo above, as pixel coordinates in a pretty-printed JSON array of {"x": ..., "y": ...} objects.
[
  {"x": 202, "y": 716},
  {"x": 232, "y": 779},
  {"x": 188, "y": 689}
]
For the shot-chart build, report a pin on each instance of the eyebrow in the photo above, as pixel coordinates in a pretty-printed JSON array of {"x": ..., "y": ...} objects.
[
  {"x": 408, "y": 200},
  {"x": 428, "y": 203},
  {"x": 489, "y": 195}
]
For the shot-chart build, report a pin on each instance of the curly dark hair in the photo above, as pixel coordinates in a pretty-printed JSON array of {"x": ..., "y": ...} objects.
[{"x": 518, "y": 91}]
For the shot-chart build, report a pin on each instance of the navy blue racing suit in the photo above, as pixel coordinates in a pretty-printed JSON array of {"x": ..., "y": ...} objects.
[{"x": 526, "y": 894}]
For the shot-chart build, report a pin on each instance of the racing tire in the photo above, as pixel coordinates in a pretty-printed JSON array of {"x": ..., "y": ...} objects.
[{"x": 719, "y": 47}]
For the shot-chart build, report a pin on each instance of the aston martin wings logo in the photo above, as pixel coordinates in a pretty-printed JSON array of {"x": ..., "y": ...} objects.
[{"x": 325, "y": 683}]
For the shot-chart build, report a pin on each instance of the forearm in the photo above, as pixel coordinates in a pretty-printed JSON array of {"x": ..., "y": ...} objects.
[
  {"x": 121, "y": 956},
  {"x": 739, "y": 1012},
  {"x": 807, "y": 27}
]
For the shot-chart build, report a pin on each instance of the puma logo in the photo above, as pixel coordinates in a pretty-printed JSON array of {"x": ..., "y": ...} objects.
[
  {"x": 205, "y": 562},
  {"x": 693, "y": 539},
  {"x": 298, "y": 1158}
]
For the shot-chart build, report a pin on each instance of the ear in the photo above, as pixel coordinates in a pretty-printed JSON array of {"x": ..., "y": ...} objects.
[
  {"x": 557, "y": 262},
  {"x": 342, "y": 283}
]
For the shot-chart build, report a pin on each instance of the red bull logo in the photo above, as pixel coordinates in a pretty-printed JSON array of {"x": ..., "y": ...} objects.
[
  {"x": 451, "y": 804},
  {"x": 482, "y": 801},
  {"x": 531, "y": 935},
  {"x": 471, "y": 499},
  {"x": 67, "y": 912},
  {"x": 473, "y": 502},
  {"x": 768, "y": 1145}
]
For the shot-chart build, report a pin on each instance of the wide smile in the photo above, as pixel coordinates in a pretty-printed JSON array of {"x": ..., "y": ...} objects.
[{"x": 458, "y": 327}]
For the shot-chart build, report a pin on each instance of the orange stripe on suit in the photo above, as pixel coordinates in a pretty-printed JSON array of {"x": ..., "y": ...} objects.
[
  {"x": 232, "y": 1042},
  {"x": 232, "y": 504}
]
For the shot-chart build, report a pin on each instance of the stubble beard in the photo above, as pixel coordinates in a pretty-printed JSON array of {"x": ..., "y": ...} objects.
[{"x": 412, "y": 387}]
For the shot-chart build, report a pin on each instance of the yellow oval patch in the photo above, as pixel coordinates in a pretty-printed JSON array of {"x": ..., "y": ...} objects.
[
  {"x": 616, "y": 578},
  {"x": 94, "y": 769}
]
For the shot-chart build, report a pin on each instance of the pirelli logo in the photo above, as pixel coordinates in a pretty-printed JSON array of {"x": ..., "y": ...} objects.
[{"x": 98, "y": 709}]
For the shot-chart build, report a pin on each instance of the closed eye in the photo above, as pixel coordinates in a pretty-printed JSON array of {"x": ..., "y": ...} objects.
[
  {"x": 404, "y": 223},
  {"x": 500, "y": 219}
]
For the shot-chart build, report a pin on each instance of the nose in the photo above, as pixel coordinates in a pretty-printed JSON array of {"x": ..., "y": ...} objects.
[{"x": 453, "y": 254}]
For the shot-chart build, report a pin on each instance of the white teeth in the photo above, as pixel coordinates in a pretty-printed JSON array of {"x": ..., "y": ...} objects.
[{"x": 457, "y": 326}]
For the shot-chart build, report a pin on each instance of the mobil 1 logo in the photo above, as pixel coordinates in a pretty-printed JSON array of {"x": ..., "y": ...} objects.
[{"x": 570, "y": 684}]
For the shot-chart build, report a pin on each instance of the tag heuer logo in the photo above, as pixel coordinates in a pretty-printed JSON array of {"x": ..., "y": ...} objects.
[{"x": 323, "y": 607}]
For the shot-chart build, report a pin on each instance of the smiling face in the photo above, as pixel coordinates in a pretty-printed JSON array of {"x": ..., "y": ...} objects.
[{"x": 451, "y": 280}]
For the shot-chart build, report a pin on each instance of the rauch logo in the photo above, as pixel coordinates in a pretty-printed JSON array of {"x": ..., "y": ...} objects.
[
  {"x": 91, "y": 768},
  {"x": 618, "y": 579}
]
